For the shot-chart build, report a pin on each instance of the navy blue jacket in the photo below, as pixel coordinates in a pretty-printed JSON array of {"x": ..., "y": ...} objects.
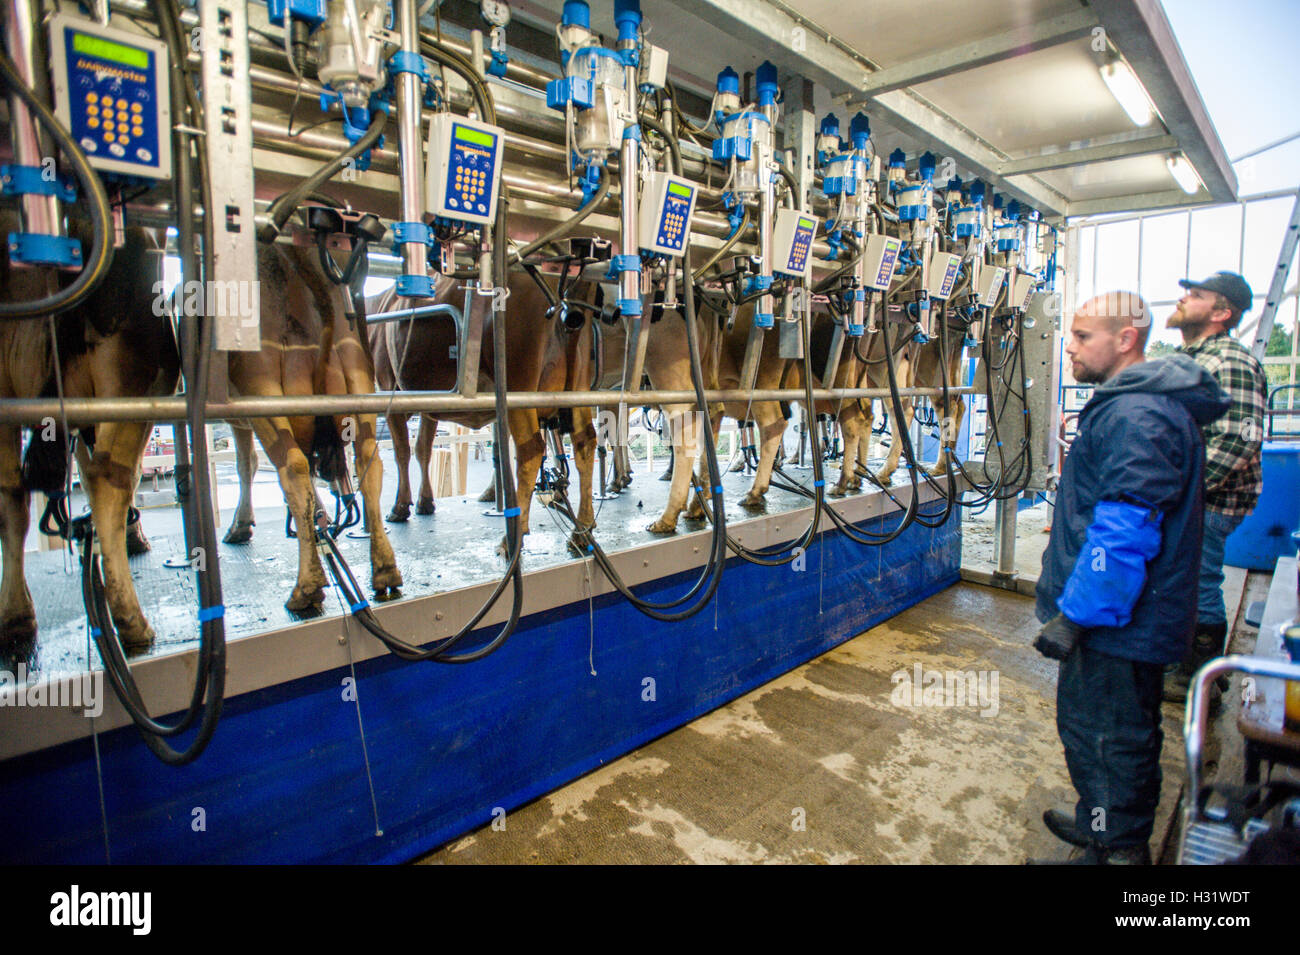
[{"x": 1125, "y": 552}]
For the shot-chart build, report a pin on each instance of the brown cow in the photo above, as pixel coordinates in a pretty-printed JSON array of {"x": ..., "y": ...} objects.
[
  {"x": 543, "y": 356},
  {"x": 115, "y": 344},
  {"x": 308, "y": 348}
]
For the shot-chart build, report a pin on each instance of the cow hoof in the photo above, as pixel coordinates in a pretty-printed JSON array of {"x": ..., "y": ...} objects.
[
  {"x": 425, "y": 507},
  {"x": 305, "y": 603},
  {"x": 753, "y": 502},
  {"x": 939, "y": 470},
  {"x": 488, "y": 495},
  {"x": 136, "y": 542},
  {"x": 836, "y": 491},
  {"x": 400, "y": 514},
  {"x": 18, "y": 633},
  {"x": 667, "y": 475},
  {"x": 661, "y": 526},
  {"x": 387, "y": 594},
  {"x": 136, "y": 636},
  {"x": 241, "y": 532},
  {"x": 886, "y": 477},
  {"x": 580, "y": 542},
  {"x": 386, "y": 577},
  {"x": 738, "y": 467}
]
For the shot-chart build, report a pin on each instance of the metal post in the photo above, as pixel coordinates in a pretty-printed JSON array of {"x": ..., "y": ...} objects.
[
  {"x": 40, "y": 214},
  {"x": 1004, "y": 545},
  {"x": 228, "y": 140},
  {"x": 410, "y": 94}
]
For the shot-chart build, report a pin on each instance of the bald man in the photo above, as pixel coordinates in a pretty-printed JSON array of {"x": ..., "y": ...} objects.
[{"x": 1117, "y": 590}]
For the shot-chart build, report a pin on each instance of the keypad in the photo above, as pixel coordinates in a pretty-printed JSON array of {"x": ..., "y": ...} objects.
[
  {"x": 112, "y": 109},
  {"x": 469, "y": 179}
]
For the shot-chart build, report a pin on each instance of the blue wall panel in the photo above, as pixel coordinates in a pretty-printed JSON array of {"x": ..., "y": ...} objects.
[{"x": 284, "y": 779}]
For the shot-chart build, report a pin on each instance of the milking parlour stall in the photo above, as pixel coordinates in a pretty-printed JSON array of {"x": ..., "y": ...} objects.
[{"x": 732, "y": 329}]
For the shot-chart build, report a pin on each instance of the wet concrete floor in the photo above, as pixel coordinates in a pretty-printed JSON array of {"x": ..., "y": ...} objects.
[{"x": 836, "y": 763}]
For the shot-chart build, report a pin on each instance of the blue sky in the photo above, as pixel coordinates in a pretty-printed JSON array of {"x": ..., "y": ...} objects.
[{"x": 1243, "y": 58}]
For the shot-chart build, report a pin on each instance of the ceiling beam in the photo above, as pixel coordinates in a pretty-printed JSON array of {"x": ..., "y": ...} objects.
[
  {"x": 1083, "y": 155},
  {"x": 1036, "y": 36},
  {"x": 801, "y": 47},
  {"x": 1145, "y": 202},
  {"x": 1141, "y": 32}
]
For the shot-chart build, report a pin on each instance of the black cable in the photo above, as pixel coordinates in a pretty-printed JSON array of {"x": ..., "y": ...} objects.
[{"x": 355, "y": 596}]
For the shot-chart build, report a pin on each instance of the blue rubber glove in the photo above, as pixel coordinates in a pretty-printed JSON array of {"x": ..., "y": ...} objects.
[{"x": 1111, "y": 568}]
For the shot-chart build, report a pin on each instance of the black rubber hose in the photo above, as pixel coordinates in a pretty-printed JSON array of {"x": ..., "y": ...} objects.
[
  {"x": 558, "y": 231},
  {"x": 284, "y": 206},
  {"x": 209, "y": 686},
  {"x": 352, "y": 591},
  {"x": 97, "y": 263},
  {"x": 711, "y": 574}
]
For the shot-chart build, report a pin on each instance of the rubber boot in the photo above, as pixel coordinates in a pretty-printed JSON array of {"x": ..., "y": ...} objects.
[
  {"x": 1207, "y": 643},
  {"x": 1100, "y": 855},
  {"x": 1061, "y": 824}
]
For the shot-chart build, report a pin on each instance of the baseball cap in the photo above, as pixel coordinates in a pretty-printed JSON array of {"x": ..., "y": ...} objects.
[{"x": 1228, "y": 284}]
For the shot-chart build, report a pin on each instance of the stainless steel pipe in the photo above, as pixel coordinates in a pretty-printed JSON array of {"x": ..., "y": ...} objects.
[{"x": 84, "y": 411}]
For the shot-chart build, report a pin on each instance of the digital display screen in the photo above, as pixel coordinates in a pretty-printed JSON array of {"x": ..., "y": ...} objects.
[
  {"x": 475, "y": 136},
  {"x": 102, "y": 49},
  {"x": 677, "y": 189},
  {"x": 805, "y": 223}
]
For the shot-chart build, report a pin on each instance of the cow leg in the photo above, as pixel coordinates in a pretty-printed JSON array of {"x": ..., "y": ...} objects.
[
  {"x": 584, "y": 459},
  {"x": 584, "y": 462},
  {"x": 424, "y": 457},
  {"x": 686, "y": 445},
  {"x": 771, "y": 427},
  {"x": 108, "y": 476},
  {"x": 17, "y": 612},
  {"x": 851, "y": 427},
  {"x": 530, "y": 448},
  {"x": 385, "y": 578},
  {"x": 695, "y": 509},
  {"x": 402, "y": 452},
  {"x": 136, "y": 541},
  {"x": 294, "y": 473},
  {"x": 896, "y": 441},
  {"x": 241, "y": 524}
]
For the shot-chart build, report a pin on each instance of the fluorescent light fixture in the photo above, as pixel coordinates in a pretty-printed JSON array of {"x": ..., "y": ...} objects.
[
  {"x": 1184, "y": 174},
  {"x": 1128, "y": 91}
]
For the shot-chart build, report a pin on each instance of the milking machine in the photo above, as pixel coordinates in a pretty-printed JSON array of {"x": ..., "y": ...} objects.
[
  {"x": 123, "y": 113},
  {"x": 907, "y": 255}
]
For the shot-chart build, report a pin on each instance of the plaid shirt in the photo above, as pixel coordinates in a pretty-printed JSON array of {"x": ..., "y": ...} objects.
[{"x": 1232, "y": 443}]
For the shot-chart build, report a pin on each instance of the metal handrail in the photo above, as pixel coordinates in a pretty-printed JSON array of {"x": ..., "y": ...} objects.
[{"x": 1197, "y": 715}]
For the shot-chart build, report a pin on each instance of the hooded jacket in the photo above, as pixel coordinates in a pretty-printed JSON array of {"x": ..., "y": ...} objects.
[{"x": 1125, "y": 552}]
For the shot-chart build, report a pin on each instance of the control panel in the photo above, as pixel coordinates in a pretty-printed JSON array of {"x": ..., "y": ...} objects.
[
  {"x": 792, "y": 240},
  {"x": 111, "y": 92},
  {"x": 880, "y": 258},
  {"x": 1022, "y": 286},
  {"x": 989, "y": 286},
  {"x": 464, "y": 169},
  {"x": 944, "y": 267},
  {"x": 667, "y": 204}
]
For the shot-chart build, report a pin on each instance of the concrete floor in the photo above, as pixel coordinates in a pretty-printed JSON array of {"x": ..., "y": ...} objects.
[{"x": 824, "y": 765}]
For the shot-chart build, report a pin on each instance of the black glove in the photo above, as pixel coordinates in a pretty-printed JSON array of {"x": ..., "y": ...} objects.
[{"x": 1058, "y": 637}]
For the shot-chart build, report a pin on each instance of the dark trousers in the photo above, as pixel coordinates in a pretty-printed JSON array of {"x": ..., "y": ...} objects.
[{"x": 1108, "y": 715}]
